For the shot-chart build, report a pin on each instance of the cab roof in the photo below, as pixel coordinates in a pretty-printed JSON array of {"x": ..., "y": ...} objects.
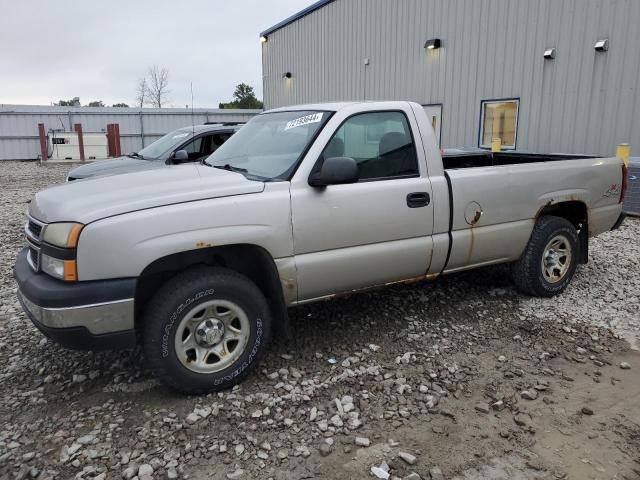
[
  {"x": 210, "y": 127},
  {"x": 332, "y": 106}
]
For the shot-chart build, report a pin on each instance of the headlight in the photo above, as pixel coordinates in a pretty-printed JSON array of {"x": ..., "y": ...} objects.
[
  {"x": 62, "y": 269},
  {"x": 63, "y": 235}
]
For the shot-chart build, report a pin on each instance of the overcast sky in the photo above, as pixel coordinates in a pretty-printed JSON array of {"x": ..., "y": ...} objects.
[{"x": 99, "y": 50}]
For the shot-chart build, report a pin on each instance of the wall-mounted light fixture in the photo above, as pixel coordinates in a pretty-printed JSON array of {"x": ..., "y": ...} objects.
[
  {"x": 432, "y": 44},
  {"x": 264, "y": 39},
  {"x": 602, "y": 45},
  {"x": 286, "y": 75},
  {"x": 550, "y": 53}
]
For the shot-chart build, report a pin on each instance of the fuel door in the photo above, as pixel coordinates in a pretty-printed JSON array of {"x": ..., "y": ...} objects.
[{"x": 472, "y": 213}]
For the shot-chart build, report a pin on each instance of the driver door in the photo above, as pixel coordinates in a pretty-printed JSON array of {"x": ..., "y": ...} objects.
[{"x": 366, "y": 233}]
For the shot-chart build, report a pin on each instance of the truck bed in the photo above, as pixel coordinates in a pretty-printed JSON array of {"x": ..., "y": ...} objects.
[
  {"x": 493, "y": 210},
  {"x": 454, "y": 159}
]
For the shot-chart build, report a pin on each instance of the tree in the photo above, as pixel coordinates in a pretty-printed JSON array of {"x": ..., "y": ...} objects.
[
  {"x": 243, "y": 97},
  {"x": 74, "y": 102},
  {"x": 157, "y": 86},
  {"x": 141, "y": 92},
  {"x": 96, "y": 103},
  {"x": 122, "y": 105}
]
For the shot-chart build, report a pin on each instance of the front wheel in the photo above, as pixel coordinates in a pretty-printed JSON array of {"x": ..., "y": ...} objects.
[
  {"x": 549, "y": 260},
  {"x": 205, "y": 329}
]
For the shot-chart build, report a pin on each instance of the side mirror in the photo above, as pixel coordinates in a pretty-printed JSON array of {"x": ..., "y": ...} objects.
[
  {"x": 335, "y": 171},
  {"x": 180, "y": 156}
]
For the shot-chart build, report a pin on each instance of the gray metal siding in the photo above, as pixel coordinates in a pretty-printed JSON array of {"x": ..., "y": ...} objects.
[
  {"x": 138, "y": 127},
  {"x": 581, "y": 102},
  {"x": 632, "y": 198}
]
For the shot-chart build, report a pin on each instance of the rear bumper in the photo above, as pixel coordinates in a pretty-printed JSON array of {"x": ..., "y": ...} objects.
[
  {"x": 619, "y": 221},
  {"x": 81, "y": 315}
]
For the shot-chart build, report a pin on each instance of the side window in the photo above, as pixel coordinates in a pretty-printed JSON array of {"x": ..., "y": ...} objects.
[
  {"x": 215, "y": 141},
  {"x": 194, "y": 149},
  {"x": 380, "y": 143}
]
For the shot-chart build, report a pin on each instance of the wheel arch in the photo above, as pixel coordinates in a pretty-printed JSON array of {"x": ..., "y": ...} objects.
[
  {"x": 576, "y": 212},
  {"x": 250, "y": 260}
]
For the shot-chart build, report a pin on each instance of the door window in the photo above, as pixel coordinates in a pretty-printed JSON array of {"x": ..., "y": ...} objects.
[
  {"x": 204, "y": 146},
  {"x": 379, "y": 142},
  {"x": 214, "y": 142},
  {"x": 194, "y": 149}
]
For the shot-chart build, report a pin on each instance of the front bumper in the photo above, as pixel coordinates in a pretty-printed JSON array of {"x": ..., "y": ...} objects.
[{"x": 96, "y": 315}]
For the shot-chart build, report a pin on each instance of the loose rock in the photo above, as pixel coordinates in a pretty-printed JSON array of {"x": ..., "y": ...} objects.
[
  {"x": 408, "y": 458},
  {"x": 362, "y": 442}
]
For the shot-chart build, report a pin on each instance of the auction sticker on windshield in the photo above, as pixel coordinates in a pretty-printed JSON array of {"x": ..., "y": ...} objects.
[{"x": 306, "y": 120}]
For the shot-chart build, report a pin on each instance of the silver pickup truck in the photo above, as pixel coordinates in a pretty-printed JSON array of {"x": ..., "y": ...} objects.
[{"x": 199, "y": 263}]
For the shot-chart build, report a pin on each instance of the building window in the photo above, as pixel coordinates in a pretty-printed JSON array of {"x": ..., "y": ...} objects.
[{"x": 499, "y": 119}]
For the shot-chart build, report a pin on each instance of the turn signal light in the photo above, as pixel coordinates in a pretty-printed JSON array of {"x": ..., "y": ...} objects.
[{"x": 70, "y": 271}]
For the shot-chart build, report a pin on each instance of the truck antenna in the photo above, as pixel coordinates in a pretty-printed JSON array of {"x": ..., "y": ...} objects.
[{"x": 193, "y": 126}]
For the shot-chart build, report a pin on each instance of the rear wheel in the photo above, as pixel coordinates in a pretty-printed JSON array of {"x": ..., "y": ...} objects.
[
  {"x": 205, "y": 330},
  {"x": 549, "y": 260}
]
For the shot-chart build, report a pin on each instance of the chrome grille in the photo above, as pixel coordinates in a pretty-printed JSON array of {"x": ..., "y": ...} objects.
[
  {"x": 33, "y": 233},
  {"x": 34, "y": 258},
  {"x": 35, "y": 228}
]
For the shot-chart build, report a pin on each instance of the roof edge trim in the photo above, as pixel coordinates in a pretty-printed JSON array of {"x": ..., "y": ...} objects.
[{"x": 296, "y": 16}]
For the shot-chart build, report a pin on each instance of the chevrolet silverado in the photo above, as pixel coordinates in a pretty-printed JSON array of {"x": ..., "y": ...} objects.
[{"x": 199, "y": 264}]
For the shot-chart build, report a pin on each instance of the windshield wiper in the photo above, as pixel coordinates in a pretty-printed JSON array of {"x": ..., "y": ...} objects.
[
  {"x": 226, "y": 166},
  {"x": 135, "y": 155}
]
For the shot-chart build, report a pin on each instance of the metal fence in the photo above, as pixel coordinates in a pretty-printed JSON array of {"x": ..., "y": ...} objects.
[{"x": 138, "y": 126}]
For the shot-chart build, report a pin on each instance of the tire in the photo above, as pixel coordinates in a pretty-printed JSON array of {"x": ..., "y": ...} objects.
[
  {"x": 552, "y": 238},
  {"x": 205, "y": 330}
]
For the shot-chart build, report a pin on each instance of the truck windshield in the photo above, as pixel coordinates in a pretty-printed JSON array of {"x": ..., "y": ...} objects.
[
  {"x": 164, "y": 144},
  {"x": 269, "y": 146}
]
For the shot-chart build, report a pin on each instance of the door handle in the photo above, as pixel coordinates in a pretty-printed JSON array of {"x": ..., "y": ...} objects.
[{"x": 418, "y": 199}]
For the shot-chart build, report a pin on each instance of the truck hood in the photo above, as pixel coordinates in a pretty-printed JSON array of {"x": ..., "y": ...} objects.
[
  {"x": 114, "y": 166},
  {"x": 99, "y": 197}
]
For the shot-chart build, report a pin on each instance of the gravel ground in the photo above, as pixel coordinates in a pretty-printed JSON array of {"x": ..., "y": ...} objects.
[{"x": 460, "y": 378}]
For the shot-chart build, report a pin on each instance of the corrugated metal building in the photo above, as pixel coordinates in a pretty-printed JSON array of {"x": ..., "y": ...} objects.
[
  {"x": 138, "y": 126},
  {"x": 489, "y": 77}
]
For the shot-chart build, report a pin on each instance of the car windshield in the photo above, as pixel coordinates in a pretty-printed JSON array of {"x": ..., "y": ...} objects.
[
  {"x": 269, "y": 146},
  {"x": 164, "y": 144}
]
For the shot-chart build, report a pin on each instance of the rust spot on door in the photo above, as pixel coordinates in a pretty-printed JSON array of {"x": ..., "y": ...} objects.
[{"x": 472, "y": 241}]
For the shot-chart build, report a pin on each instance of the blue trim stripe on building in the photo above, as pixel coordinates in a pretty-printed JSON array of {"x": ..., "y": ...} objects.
[{"x": 297, "y": 16}]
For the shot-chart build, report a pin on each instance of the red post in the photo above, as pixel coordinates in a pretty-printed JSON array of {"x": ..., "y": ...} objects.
[
  {"x": 110, "y": 139},
  {"x": 116, "y": 139},
  {"x": 78, "y": 128},
  {"x": 43, "y": 142}
]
